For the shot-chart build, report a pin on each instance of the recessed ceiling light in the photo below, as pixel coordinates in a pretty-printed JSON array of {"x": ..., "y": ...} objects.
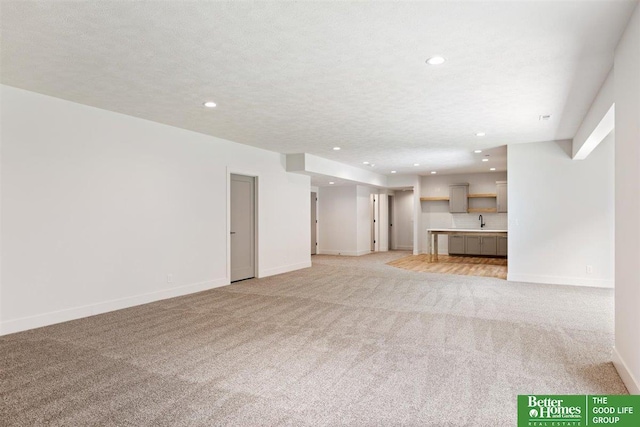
[
  {"x": 435, "y": 60},
  {"x": 544, "y": 117},
  {"x": 485, "y": 160},
  {"x": 365, "y": 163},
  {"x": 492, "y": 169},
  {"x": 331, "y": 182},
  {"x": 480, "y": 134},
  {"x": 477, "y": 151},
  {"x": 393, "y": 171},
  {"x": 336, "y": 148},
  {"x": 416, "y": 164},
  {"x": 209, "y": 104},
  {"x": 433, "y": 172}
]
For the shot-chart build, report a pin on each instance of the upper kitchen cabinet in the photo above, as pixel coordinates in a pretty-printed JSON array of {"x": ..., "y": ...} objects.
[
  {"x": 501, "y": 196},
  {"x": 459, "y": 198}
]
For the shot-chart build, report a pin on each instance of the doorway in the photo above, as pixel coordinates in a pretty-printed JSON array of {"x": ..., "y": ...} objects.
[
  {"x": 243, "y": 226},
  {"x": 391, "y": 239},
  {"x": 373, "y": 222},
  {"x": 314, "y": 223}
]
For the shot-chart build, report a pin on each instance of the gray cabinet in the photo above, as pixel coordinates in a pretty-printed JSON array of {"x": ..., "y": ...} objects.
[
  {"x": 456, "y": 244},
  {"x": 488, "y": 245},
  {"x": 472, "y": 245},
  {"x": 477, "y": 245},
  {"x": 502, "y": 246},
  {"x": 458, "y": 198},
  {"x": 501, "y": 196},
  {"x": 481, "y": 245}
]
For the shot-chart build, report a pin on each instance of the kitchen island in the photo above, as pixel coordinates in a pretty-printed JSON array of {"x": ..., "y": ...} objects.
[{"x": 433, "y": 233}]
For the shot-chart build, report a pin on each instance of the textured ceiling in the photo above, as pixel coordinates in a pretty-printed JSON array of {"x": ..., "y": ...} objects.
[{"x": 307, "y": 76}]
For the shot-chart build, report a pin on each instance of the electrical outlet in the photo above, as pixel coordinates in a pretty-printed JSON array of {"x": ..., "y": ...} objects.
[
  {"x": 589, "y": 269},
  {"x": 169, "y": 278}
]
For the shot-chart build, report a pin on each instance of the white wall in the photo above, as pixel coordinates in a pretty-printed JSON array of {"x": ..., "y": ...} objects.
[
  {"x": 435, "y": 214},
  {"x": 418, "y": 236},
  {"x": 364, "y": 218},
  {"x": 344, "y": 220},
  {"x": 561, "y": 214},
  {"x": 383, "y": 221},
  {"x": 627, "y": 204},
  {"x": 98, "y": 208},
  {"x": 597, "y": 123},
  {"x": 403, "y": 221},
  {"x": 312, "y": 165},
  {"x": 337, "y": 227},
  {"x": 402, "y": 181}
]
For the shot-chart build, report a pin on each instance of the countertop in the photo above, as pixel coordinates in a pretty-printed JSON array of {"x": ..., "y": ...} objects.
[{"x": 467, "y": 230}]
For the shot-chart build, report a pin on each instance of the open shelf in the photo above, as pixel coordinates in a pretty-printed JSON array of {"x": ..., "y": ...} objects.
[
  {"x": 434, "y": 199},
  {"x": 483, "y": 210},
  {"x": 483, "y": 196}
]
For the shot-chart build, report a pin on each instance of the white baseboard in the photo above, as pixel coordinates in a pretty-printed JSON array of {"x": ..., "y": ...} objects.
[
  {"x": 284, "y": 269},
  {"x": 632, "y": 384},
  {"x": 53, "y": 317},
  {"x": 404, "y": 248},
  {"x": 343, "y": 253},
  {"x": 560, "y": 280},
  {"x": 328, "y": 252}
]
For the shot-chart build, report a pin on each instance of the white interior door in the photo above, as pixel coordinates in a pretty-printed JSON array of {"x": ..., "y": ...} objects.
[
  {"x": 392, "y": 239},
  {"x": 314, "y": 240},
  {"x": 243, "y": 215},
  {"x": 373, "y": 222}
]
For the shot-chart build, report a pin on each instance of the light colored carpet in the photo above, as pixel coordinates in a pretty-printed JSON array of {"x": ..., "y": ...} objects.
[
  {"x": 462, "y": 265},
  {"x": 350, "y": 341}
]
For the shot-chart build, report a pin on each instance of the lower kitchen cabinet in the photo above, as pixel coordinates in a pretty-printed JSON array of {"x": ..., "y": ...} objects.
[
  {"x": 481, "y": 245},
  {"x": 477, "y": 245},
  {"x": 502, "y": 246},
  {"x": 472, "y": 245},
  {"x": 456, "y": 244},
  {"x": 488, "y": 245}
]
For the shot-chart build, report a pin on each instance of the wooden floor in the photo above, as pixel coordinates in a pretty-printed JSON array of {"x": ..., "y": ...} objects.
[{"x": 461, "y": 265}]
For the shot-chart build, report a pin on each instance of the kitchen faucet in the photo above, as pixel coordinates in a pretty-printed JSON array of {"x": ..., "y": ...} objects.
[{"x": 482, "y": 224}]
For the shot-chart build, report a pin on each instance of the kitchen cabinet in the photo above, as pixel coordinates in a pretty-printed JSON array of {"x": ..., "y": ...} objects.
[
  {"x": 472, "y": 245},
  {"x": 481, "y": 245},
  {"x": 468, "y": 242},
  {"x": 501, "y": 196},
  {"x": 456, "y": 244},
  {"x": 458, "y": 198},
  {"x": 502, "y": 246},
  {"x": 488, "y": 245}
]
